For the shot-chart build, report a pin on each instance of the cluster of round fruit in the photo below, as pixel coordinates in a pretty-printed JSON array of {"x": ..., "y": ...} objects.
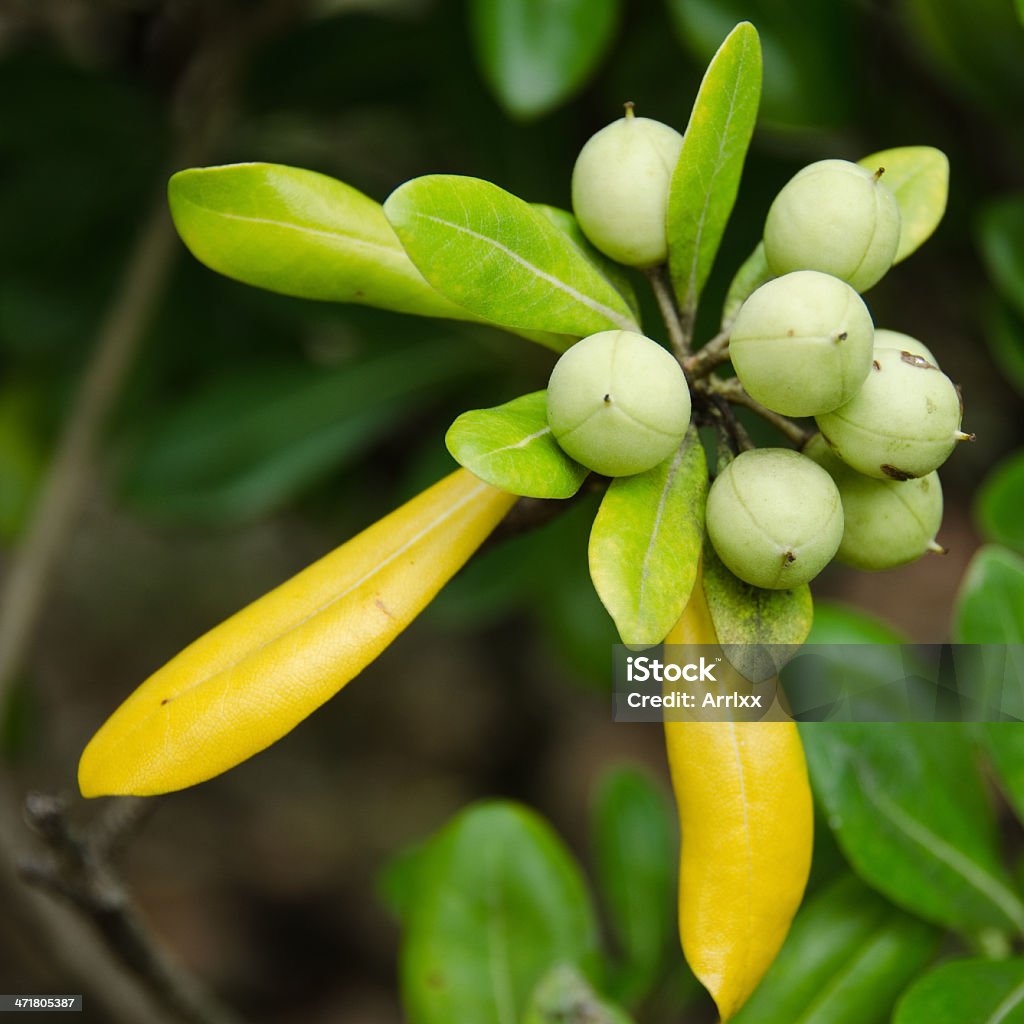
[{"x": 864, "y": 488}]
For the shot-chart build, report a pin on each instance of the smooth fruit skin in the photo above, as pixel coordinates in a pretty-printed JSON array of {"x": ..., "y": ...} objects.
[
  {"x": 620, "y": 187},
  {"x": 774, "y": 518},
  {"x": 618, "y": 403},
  {"x": 884, "y": 338},
  {"x": 253, "y": 678},
  {"x": 747, "y": 825},
  {"x": 886, "y": 523},
  {"x": 836, "y": 217},
  {"x": 801, "y": 344},
  {"x": 903, "y": 423}
]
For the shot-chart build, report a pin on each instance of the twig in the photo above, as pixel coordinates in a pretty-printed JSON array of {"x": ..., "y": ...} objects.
[
  {"x": 733, "y": 391},
  {"x": 705, "y": 359},
  {"x": 78, "y": 870},
  {"x": 678, "y": 331},
  {"x": 729, "y": 425}
]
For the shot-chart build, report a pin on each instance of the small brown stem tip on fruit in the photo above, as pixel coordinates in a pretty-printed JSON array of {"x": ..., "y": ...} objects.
[
  {"x": 629, "y": 107},
  {"x": 961, "y": 436},
  {"x": 937, "y": 548},
  {"x": 879, "y": 173}
]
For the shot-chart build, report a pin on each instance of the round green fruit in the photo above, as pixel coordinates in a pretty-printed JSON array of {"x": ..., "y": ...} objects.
[
  {"x": 886, "y": 523},
  {"x": 904, "y": 343},
  {"x": 836, "y": 217},
  {"x": 618, "y": 403},
  {"x": 802, "y": 344},
  {"x": 903, "y": 423},
  {"x": 620, "y": 187},
  {"x": 774, "y": 518}
]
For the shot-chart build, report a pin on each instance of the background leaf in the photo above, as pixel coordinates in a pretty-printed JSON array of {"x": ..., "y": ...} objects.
[
  {"x": 753, "y": 272},
  {"x": 563, "y": 995},
  {"x": 512, "y": 447},
  {"x": 1001, "y": 237},
  {"x": 536, "y": 53},
  {"x": 300, "y": 233},
  {"x": 990, "y": 604},
  {"x": 500, "y": 901},
  {"x": 635, "y": 850},
  {"x": 919, "y": 178},
  {"x": 966, "y": 992},
  {"x": 835, "y": 623},
  {"x": 707, "y": 176},
  {"x": 1004, "y": 335},
  {"x": 848, "y": 956},
  {"x": 645, "y": 543},
  {"x": 495, "y": 255},
  {"x": 999, "y": 503},
  {"x": 249, "y": 443},
  {"x": 909, "y": 809}
]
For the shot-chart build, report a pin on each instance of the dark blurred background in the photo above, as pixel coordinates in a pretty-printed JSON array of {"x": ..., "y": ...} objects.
[{"x": 228, "y": 462}]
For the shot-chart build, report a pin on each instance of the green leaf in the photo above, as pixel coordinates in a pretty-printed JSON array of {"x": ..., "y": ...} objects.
[
  {"x": 298, "y": 233},
  {"x": 1004, "y": 335},
  {"x": 495, "y": 255},
  {"x": 635, "y": 850},
  {"x": 499, "y": 902},
  {"x": 563, "y": 996},
  {"x": 397, "y": 881},
  {"x": 1001, "y": 236},
  {"x": 1004, "y": 742},
  {"x": 753, "y": 272},
  {"x": 707, "y": 176},
  {"x": 252, "y": 441},
  {"x": 511, "y": 446},
  {"x": 847, "y": 958},
  {"x": 535, "y": 53},
  {"x": 835, "y": 623},
  {"x": 616, "y": 274},
  {"x": 990, "y": 603},
  {"x": 973, "y": 991},
  {"x": 919, "y": 178},
  {"x": 21, "y": 461},
  {"x": 759, "y": 630},
  {"x": 645, "y": 543},
  {"x": 908, "y": 806},
  {"x": 999, "y": 503}
]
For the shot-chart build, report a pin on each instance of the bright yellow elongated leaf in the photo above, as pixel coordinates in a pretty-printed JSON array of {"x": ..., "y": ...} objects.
[
  {"x": 747, "y": 831},
  {"x": 253, "y": 678}
]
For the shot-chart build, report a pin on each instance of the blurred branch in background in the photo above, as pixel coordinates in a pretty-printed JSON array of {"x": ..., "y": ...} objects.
[{"x": 79, "y": 869}]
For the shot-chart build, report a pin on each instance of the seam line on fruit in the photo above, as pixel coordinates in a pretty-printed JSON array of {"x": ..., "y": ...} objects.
[
  {"x": 625, "y": 323},
  {"x": 397, "y": 553}
]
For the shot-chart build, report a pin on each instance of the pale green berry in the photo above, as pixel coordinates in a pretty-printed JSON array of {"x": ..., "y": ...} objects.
[
  {"x": 620, "y": 187},
  {"x": 903, "y": 423},
  {"x": 836, "y": 217},
  {"x": 886, "y": 523},
  {"x": 802, "y": 344},
  {"x": 774, "y": 518},
  {"x": 618, "y": 403},
  {"x": 904, "y": 343}
]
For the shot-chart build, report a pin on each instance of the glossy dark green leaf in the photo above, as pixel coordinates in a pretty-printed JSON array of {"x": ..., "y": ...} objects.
[
  {"x": 836, "y": 623},
  {"x": 299, "y": 233},
  {"x": 511, "y": 446},
  {"x": 909, "y": 808},
  {"x": 614, "y": 272},
  {"x": 847, "y": 958},
  {"x": 645, "y": 543},
  {"x": 758, "y": 629},
  {"x": 975, "y": 991},
  {"x": 495, "y": 255},
  {"x": 1000, "y": 502},
  {"x": 252, "y": 441},
  {"x": 1001, "y": 235},
  {"x": 500, "y": 901},
  {"x": 563, "y": 996},
  {"x": 753, "y": 272},
  {"x": 707, "y": 176},
  {"x": 635, "y": 844},
  {"x": 537, "y": 53},
  {"x": 919, "y": 178},
  {"x": 990, "y": 603},
  {"x": 808, "y": 58}
]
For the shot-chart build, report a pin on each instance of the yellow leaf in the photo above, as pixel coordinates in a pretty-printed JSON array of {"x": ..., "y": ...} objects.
[
  {"x": 252, "y": 679},
  {"x": 747, "y": 831}
]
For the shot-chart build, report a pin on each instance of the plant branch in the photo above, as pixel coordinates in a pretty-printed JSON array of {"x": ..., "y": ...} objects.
[
  {"x": 77, "y": 868},
  {"x": 732, "y": 391},
  {"x": 705, "y": 359},
  {"x": 678, "y": 331}
]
